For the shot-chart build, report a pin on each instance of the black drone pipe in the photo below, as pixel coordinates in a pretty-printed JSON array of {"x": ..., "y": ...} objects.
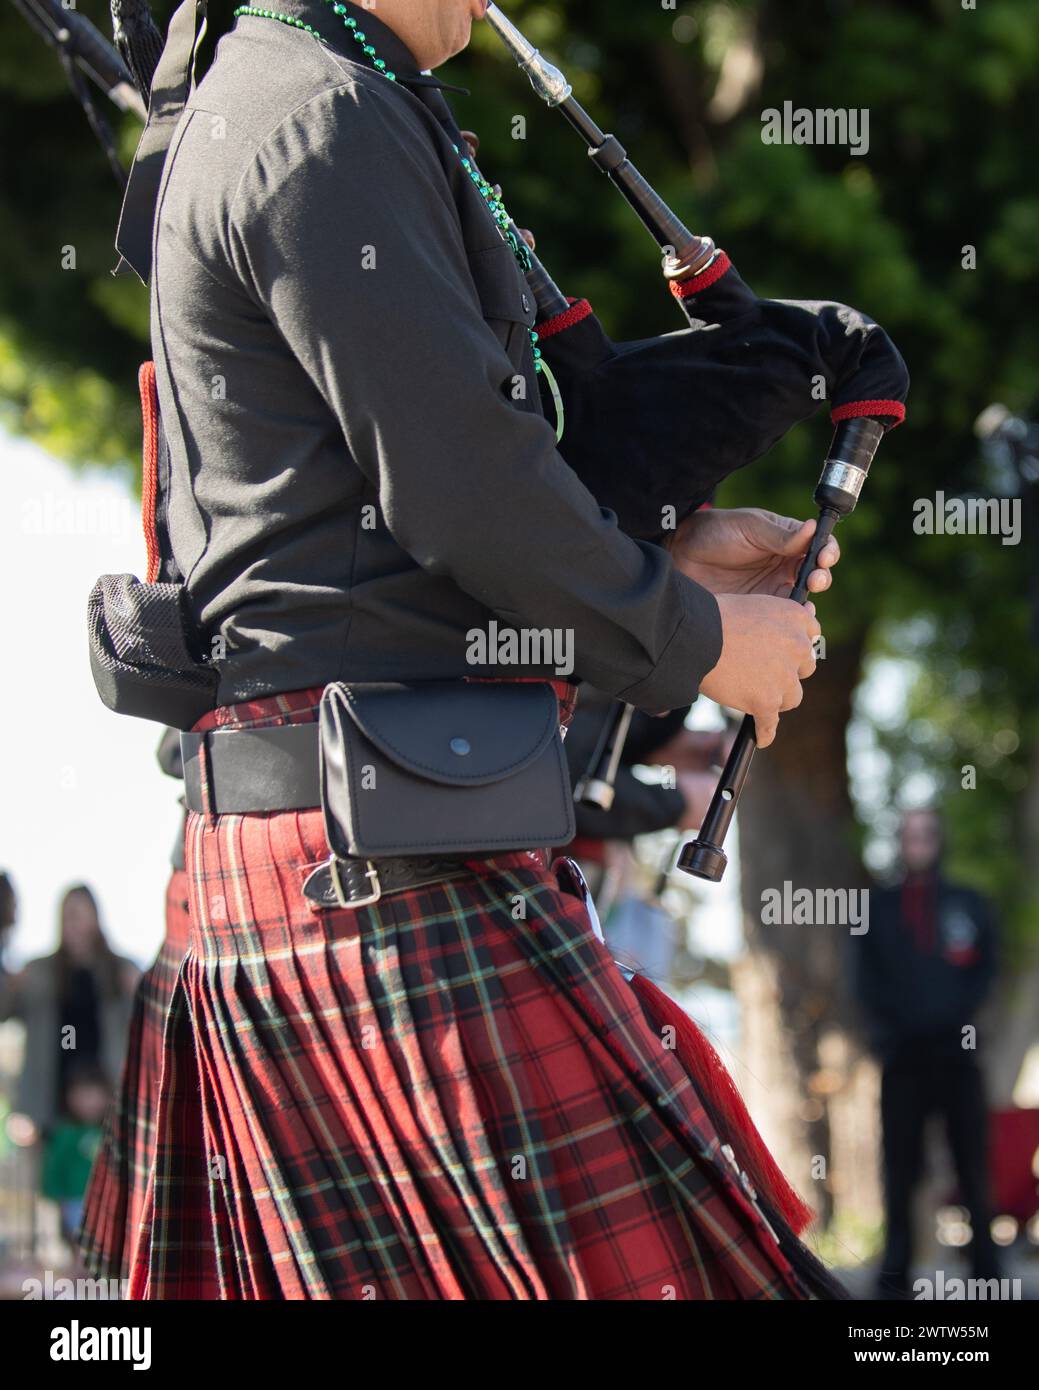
[
  {"x": 75, "y": 36},
  {"x": 688, "y": 254}
]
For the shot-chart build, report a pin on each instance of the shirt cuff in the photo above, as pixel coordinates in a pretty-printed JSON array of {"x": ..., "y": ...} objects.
[{"x": 691, "y": 654}]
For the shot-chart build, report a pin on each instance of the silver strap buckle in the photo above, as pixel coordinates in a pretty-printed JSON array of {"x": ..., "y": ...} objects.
[{"x": 372, "y": 875}]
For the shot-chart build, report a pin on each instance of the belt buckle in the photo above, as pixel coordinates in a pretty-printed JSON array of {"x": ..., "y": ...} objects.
[{"x": 372, "y": 875}]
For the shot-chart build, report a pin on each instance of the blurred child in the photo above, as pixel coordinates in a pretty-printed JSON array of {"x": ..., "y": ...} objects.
[{"x": 72, "y": 1143}]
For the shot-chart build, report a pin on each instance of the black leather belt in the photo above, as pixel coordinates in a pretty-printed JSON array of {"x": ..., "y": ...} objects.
[
  {"x": 362, "y": 882},
  {"x": 251, "y": 771}
]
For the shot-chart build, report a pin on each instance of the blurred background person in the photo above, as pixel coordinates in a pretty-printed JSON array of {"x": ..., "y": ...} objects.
[
  {"x": 638, "y": 807},
  {"x": 8, "y": 917},
  {"x": 75, "y": 1007},
  {"x": 923, "y": 970},
  {"x": 636, "y": 926}
]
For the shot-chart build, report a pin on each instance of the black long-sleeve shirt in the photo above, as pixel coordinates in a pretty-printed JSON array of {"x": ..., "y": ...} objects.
[{"x": 360, "y": 471}]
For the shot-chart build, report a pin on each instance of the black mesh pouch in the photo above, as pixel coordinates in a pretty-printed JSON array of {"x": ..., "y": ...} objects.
[{"x": 142, "y": 656}]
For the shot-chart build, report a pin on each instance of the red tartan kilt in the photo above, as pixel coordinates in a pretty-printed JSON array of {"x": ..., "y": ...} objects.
[
  {"x": 115, "y": 1195},
  {"x": 452, "y": 1094}
]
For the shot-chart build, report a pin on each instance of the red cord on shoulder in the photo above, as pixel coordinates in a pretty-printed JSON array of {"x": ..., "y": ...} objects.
[{"x": 150, "y": 465}]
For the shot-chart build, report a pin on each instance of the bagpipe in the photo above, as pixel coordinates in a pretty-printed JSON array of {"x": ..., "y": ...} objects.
[
  {"x": 708, "y": 400},
  {"x": 652, "y": 427}
]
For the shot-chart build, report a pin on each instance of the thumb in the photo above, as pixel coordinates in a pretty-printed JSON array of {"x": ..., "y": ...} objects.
[{"x": 782, "y": 535}]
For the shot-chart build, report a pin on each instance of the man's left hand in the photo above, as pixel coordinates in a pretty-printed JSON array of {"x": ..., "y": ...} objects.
[{"x": 745, "y": 550}]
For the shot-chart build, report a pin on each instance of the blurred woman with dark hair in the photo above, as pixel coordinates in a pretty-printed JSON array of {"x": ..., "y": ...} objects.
[
  {"x": 75, "y": 1005},
  {"x": 8, "y": 915}
]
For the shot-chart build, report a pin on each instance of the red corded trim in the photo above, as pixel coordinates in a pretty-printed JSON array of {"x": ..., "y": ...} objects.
[
  {"x": 682, "y": 289},
  {"x": 854, "y": 409},
  {"x": 150, "y": 465},
  {"x": 558, "y": 323}
]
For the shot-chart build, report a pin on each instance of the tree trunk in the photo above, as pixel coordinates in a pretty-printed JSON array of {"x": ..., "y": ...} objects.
[{"x": 796, "y": 826}]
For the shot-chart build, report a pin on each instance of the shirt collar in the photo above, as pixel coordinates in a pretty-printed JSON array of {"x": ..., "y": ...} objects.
[{"x": 388, "y": 46}]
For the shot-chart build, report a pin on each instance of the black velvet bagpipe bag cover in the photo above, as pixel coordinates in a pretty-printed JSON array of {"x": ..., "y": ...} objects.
[{"x": 661, "y": 422}]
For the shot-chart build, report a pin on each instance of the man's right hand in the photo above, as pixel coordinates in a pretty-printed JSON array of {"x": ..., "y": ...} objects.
[{"x": 767, "y": 652}]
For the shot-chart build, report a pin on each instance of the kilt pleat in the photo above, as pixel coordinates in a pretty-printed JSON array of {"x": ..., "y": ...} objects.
[
  {"x": 115, "y": 1195},
  {"x": 452, "y": 1094},
  {"x": 189, "y": 1237}
]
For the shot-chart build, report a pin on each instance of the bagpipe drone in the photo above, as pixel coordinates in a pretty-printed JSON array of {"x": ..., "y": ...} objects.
[{"x": 708, "y": 400}]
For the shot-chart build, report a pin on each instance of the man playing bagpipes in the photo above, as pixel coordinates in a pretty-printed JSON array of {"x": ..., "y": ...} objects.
[{"x": 400, "y": 1061}]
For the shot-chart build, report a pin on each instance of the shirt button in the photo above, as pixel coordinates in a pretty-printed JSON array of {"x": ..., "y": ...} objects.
[
  {"x": 526, "y": 304},
  {"x": 460, "y": 746}
]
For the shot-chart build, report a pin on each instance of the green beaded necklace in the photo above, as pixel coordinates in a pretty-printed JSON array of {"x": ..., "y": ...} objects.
[{"x": 497, "y": 208}]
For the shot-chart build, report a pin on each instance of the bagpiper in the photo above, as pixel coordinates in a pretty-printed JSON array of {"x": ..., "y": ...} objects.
[{"x": 399, "y": 1061}]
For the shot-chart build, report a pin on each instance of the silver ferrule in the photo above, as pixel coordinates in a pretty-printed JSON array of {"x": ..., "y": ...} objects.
[
  {"x": 595, "y": 791},
  {"x": 549, "y": 83},
  {"x": 846, "y": 477}
]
